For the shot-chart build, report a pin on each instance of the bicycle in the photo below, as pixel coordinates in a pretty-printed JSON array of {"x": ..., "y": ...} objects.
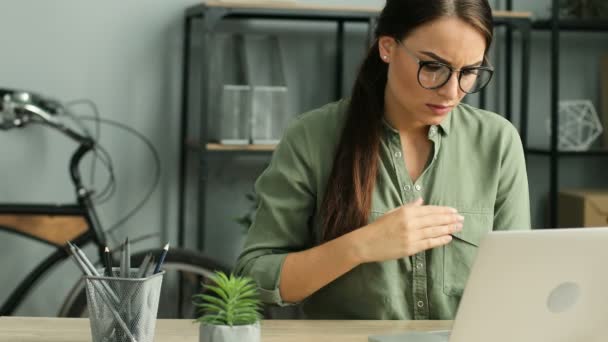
[{"x": 78, "y": 222}]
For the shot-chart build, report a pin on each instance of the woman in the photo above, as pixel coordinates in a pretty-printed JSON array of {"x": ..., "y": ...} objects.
[{"x": 373, "y": 207}]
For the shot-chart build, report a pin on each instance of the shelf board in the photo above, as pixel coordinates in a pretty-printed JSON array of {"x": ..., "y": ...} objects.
[
  {"x": 511, "y": 14},
  {"x": 294, "y": 9},
  {"x": 546, "y": 152},
  {"x": 283, "y": 10},
  {"x": 216, "y": 147},
  {"x": 573, "y": 24},
  {"x": 212, "y": 147},
  {"x": 288, "y": 5}
]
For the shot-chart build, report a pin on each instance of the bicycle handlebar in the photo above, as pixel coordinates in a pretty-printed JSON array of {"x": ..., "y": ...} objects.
[{"x": 19, "y": 108}]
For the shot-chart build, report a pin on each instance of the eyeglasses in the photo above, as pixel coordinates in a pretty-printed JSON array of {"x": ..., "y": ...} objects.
[{"x": 434, "y": 75}]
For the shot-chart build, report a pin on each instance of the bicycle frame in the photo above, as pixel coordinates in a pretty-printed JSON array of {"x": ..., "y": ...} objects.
[{"x": 84, "y": 209}]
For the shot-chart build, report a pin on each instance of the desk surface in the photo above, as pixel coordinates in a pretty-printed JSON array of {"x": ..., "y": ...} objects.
[{"x": 22, "y": 329}]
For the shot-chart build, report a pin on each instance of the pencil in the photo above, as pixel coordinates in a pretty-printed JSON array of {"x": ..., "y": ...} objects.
[
  {"x": 108, "y": 262},
  {"x": 144, "y": 265},
  {"x": 163, "y": 255},
  {"x": 82, "y": 264},
  {"x": 128, "y": 258}
]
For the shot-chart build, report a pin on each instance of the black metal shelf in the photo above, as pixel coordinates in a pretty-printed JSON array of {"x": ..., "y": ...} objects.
[
  {"x": 598, "y": 25},
  {"x": 556, "y": 25},
  {"x": 547, "y": 153}
]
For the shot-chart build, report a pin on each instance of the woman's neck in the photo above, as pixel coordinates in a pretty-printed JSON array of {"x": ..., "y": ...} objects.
[{"x": 401, "y": 120}]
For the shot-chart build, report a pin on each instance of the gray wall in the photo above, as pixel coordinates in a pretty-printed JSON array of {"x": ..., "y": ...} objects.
[{"x": 126, "y": 56}]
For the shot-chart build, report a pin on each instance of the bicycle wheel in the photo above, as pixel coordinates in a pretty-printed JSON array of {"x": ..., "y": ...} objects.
[{"x": 183, "y": 267}]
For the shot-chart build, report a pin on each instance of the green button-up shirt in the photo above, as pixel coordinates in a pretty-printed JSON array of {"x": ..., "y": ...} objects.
[{"x": 477, "y": 167}]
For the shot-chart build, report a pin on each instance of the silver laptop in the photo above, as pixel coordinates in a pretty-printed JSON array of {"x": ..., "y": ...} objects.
[{"x": 531, "y": 286}]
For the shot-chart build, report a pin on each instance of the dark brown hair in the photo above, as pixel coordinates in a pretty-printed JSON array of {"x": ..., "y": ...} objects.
[{"x": 348, "y": 197}]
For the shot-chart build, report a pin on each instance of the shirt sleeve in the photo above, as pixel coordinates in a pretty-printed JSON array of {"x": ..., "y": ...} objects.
[
  {"x": 512, "y": 206},
  {"x": 282, "y": 222}
]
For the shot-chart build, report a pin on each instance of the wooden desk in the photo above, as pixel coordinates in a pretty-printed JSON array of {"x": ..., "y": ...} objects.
[{"x": 21, "y": 329}]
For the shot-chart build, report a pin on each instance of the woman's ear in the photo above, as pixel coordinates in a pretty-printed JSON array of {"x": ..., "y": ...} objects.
[{"x": 385, "y": 48}]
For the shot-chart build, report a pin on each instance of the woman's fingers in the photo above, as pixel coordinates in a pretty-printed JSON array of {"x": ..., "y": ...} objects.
[
  {"x": 439, "y": 231},
  {"x": 423, "y": 245},
  {"x": 435, "y": 221},
  {"x": 432, "y": 210},
  {"x": 433, "y": 236},
  {"x": 412, "y": 228}
]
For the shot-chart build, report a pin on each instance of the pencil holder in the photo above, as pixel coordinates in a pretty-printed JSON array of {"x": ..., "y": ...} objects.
[{"x": 123, "y": 309}]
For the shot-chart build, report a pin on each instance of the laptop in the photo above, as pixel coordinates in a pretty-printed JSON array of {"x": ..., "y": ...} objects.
[{"x": 531, "y": 286}]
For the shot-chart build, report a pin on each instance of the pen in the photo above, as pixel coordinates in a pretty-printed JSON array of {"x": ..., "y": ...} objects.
[
  {"x": 79, "y": 263},
  {"x": 125, "y": 270},
  {"x": 82, "y": 264},
  {"x": 123, "y": 261},
  {"x": 150, "y": 267},
  {"x": 144, "y": 265},
  {"x": 128, "y": 258},
  {"x": 161, "y": 259},
  {"x": 108, "y": 261},
  {"x": 87, "y": 268},
  {"x": 80, "y": 256}
]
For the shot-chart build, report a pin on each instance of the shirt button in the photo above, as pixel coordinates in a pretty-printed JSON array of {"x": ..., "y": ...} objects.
[
  {"x": 419, "y": 266},
  {"x": 407, "y": 188},
  {"x": 420, "y": 304},
  {"x": 397, "y": 154},
  {"x": 418, "y": 187}
]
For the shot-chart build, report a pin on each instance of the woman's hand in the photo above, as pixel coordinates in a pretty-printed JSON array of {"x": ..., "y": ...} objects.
[{"x": 407, "y": 230}]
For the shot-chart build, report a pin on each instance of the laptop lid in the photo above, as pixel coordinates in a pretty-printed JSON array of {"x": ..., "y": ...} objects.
[{"x": 539, "y": 285}]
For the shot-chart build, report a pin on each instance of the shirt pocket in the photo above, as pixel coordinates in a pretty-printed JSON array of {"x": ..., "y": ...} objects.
[{"x": 460, "y": 253}]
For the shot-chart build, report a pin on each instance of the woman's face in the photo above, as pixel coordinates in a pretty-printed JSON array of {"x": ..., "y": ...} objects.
[{"x": 448, "y": 40}]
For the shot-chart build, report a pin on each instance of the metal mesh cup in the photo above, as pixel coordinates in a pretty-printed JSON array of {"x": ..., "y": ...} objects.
[{"x": 123, "y": 309}]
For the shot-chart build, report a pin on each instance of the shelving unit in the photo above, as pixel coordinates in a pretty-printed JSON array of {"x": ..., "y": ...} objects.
[
  {"x": 572, "y": 25},
  {"x": 541, "y": 152},
  {"x": 555, "y": 25},
  {"x": 196, "y": 150}
]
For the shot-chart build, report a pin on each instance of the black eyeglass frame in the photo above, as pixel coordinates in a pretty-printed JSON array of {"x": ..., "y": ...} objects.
[{"x": 422, "y": 64}]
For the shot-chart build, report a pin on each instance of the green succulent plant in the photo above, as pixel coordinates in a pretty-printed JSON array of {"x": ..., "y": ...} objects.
[{"x": 232, "y": 301}]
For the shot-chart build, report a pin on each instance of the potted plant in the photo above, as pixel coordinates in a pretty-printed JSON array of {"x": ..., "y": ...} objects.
[{"x": 230, "y": 309}]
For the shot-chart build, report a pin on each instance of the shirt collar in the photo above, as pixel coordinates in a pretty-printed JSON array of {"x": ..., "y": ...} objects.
[{"x": 444, "y": 126}]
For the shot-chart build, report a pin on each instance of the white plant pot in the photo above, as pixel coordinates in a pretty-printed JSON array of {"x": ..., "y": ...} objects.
[{"x": 226, "y": 333}]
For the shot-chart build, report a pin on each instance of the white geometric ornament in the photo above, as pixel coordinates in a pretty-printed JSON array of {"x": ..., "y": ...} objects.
[{"x": 579, "y": 125}]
